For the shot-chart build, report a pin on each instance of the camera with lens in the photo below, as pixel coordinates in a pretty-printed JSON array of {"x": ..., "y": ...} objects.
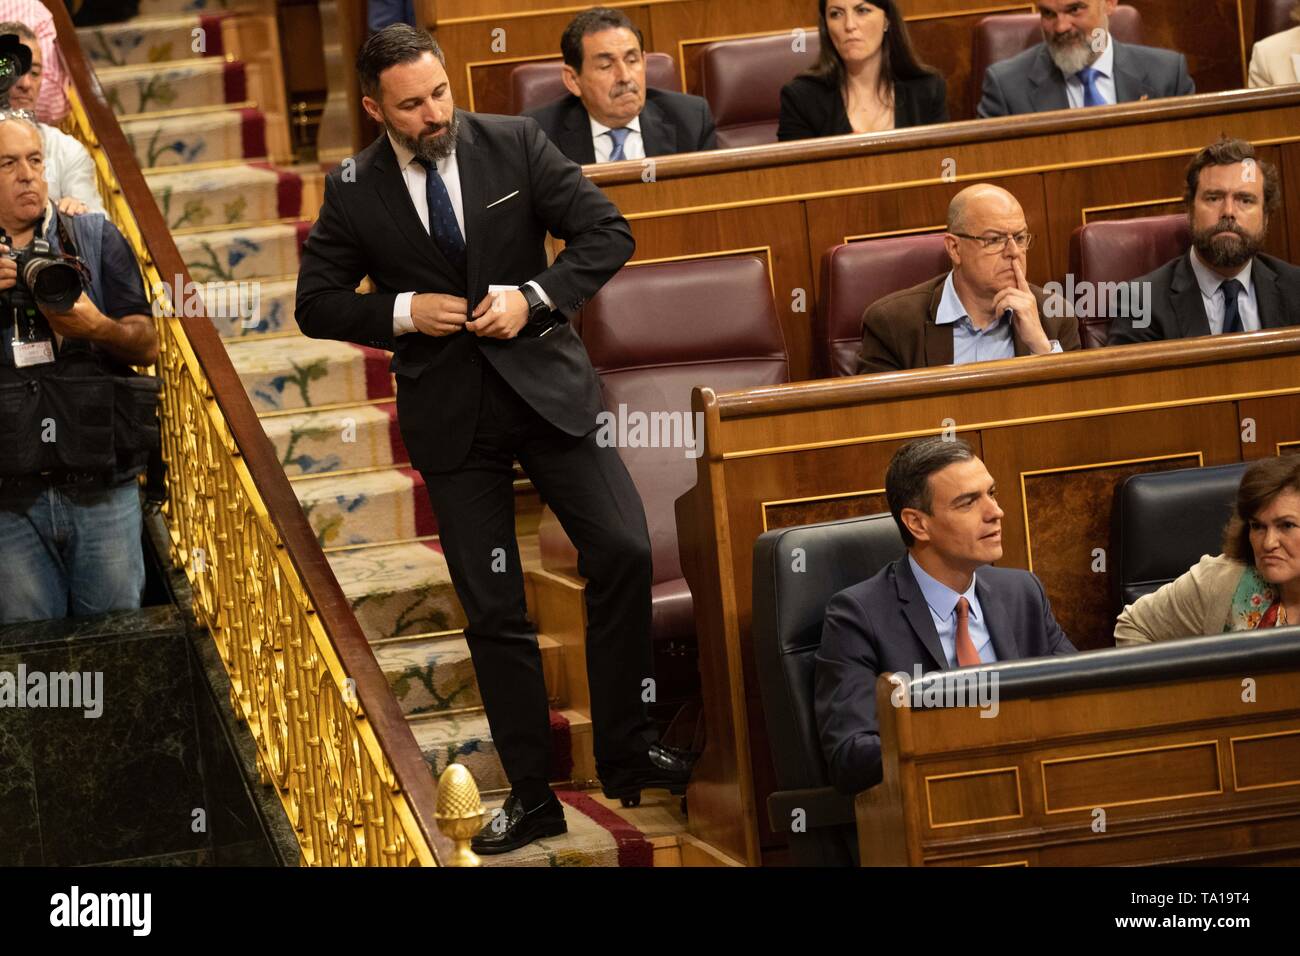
[
  {"x": 46, "y": 278},
  {"x": 15, "y": 60}
]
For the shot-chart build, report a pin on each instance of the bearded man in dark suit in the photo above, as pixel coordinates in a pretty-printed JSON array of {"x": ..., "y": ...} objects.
[{"x": 447, "y": 213}]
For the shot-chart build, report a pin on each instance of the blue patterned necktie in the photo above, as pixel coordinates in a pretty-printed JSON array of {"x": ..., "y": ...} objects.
[
  {"x": 1231, "y": 313},
  {"x": 1091, "y": 95},
  {"x": 442, "y": 217},
  {"x": 619, "y": 136}
]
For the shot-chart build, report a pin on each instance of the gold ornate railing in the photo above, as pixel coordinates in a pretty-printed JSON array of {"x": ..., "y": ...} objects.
[{"x": 330, "y": 736}]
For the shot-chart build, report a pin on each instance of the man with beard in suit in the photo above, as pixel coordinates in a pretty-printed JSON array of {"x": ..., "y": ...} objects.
[{"x": 447, "y": 213}]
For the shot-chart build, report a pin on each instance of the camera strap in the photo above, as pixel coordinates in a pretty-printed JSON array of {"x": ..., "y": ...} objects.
[{"x": 66, "y": 245}]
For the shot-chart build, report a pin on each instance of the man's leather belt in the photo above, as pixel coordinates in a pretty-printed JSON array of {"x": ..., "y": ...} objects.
[{"x": 59, "y": 479}]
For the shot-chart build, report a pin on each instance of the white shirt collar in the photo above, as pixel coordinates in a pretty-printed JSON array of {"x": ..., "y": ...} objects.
[
  {"x": 1105, "y": 64},
  {"x": 600, "y": 129},
  {"x": 405, "y": 157},
  {"x": 1209, "y": 280}
]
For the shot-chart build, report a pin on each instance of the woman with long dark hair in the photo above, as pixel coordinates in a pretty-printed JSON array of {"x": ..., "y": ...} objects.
[{"x": 867, "y": 77}]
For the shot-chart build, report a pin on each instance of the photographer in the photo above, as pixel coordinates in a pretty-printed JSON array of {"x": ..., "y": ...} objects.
[
  {"x": 75, "y": 427},
  {"x": 69, "y": 170}
]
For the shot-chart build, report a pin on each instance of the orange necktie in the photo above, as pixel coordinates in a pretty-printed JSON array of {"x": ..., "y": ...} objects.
[{"x": 967, "y": 656}]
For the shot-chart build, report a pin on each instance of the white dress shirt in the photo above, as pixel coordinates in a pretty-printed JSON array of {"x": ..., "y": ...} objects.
[
  {"x": 1104, "y": 81},
  {"x": 633, "y": 146},
  {"x": 413, "y": 175},
  {"x": 1213, "y": 299},
  {"x": 69, "y": 170}
]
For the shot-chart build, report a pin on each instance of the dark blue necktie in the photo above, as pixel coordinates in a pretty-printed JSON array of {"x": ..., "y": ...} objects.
[
  {"x": 1091, "y": 95},
  {"x": 442, "y": 217},
  {"x": 1231, "y": 313},
  {"x": 619, "y": 136}
]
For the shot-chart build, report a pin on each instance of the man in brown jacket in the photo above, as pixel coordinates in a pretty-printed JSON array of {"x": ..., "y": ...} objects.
[{"x": 980, "y": 311}]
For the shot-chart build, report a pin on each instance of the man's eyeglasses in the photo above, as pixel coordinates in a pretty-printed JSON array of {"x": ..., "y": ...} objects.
[{"x": 1023, "y": 240}]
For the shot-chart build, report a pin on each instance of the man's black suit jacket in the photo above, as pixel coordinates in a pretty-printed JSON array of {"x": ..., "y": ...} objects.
[
  {"x": 515, "y": 186},
  {"x": 1178, "y": 311},
  {"x": 882, "y": 626},
  {"x": 670, "y": 123}
]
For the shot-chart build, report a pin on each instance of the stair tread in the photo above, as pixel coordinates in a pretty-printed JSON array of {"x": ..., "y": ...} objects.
[
  {"x": 312, "y": 440},
  {"x": 296, "y": 371},
  {"x": 436, "y": 674}
]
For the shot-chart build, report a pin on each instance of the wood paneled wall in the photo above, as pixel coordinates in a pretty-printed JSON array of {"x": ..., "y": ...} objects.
[
  {"x": 799, "y": 199},
  {"x": 1057, "y": 432}
]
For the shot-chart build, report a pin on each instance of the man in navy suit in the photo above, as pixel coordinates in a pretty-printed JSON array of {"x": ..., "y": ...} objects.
[
  {"x": 939, "y": 607},
  {"x": 1080, "y": 64},
  {"x": 609, "y": 113}
]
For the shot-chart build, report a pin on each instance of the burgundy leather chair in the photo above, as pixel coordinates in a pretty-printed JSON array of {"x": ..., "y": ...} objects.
[
  {"x": 1272, "y": 16},
  {"x": 856, "y": 274},
  {"x": 654, "y": 332},
  {"x": 536, "y": 84},
  {"x": 742, "y": 81},
  {"x": 1120, "y": 251},
  {"x": 1001, "y": 37}
]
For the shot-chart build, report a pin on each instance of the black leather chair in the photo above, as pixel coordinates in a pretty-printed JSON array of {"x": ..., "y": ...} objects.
[
  {"x": 1165, "y": 521},
  {"x": 791, "y": 590}
]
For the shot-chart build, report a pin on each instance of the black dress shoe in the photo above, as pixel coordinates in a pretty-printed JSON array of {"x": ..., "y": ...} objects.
[
  {"x": 514, "y": 826},
  {"x": 662, "y": 768}
]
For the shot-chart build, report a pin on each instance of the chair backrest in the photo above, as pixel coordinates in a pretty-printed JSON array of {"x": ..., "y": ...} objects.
[
  {"x": 856, "y": 274},
  {"x": 1120, "y": 251},
  {"x": 1001, "y": 37},
  {"x": 656, "y": 331},
  {"x": 536, "y": 84},
  {"x": 742, "y": 81},
  {"x": 790, "y": 598},
  {"x": 1272, "y": 16},
  {"x": 1165, "y": 521}
]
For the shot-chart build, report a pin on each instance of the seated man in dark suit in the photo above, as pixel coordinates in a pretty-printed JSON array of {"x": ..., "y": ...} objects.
[
  {"x": 939, "y": 607},
  {"x": 1080, "y": 64},
  {"x": 1223, "y": 283},
  {"x": 980, "y": 311},
  {"x": 609, "y": 114}
]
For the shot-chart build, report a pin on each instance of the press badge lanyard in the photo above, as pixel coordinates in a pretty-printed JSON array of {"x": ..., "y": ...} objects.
[{"x": 28, "y": 349}]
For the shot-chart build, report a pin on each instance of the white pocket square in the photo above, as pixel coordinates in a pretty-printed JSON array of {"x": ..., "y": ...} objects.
[{"x": 501, "y": 200}]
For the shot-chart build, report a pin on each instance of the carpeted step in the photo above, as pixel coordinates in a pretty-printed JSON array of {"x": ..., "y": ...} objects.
[
  {"x": 153, "y": 39},
  {"x": 601, "y": 832},
  {"x": 244, "y": 252},
  {"x": 398, "y": 589},
  {"x": 205, "y": 137},
  {"x": 466, "y": 739},
  {"x": 300, "y": 372},
  {"x": 150, "y": 87},
  {"x": 222, "y": 195},
  {"x": 273, "y": 298},
  {"x": 436, "y": 674},
  {"x": 389, "y": 504},
  {"x": 359, "y": 436}
]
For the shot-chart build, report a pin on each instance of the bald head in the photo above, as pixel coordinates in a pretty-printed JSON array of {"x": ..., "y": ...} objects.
[{"x": 980, "y": 203}]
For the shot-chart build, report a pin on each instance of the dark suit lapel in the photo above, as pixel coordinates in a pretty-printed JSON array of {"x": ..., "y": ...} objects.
[
  {"x": 658, "y": 136},
  {"x": 998, "y": 622},
  {"x": 1267, "y": 296},
  {"x": 575, "y": 137},
  {"x": 1130, "y": 76},
  {"x": 473, "y": 166},
  {"x": 393, "y": 194},
  {"x": 917, "y": 612},
  {"x": 1189, "y": 307},
  {"x": 938, "y": 338},
  {"x": 1046, "y": 85}
]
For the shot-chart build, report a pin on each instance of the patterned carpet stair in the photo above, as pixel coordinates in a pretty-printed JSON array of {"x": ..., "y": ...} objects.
[{"x": 239, "y": 215}]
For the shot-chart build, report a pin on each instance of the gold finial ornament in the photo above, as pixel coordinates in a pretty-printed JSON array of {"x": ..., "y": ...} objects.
[{"x": 460, "y": 812}]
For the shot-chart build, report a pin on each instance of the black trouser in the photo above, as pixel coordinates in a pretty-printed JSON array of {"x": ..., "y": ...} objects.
[{"x": 593, "y": 496}]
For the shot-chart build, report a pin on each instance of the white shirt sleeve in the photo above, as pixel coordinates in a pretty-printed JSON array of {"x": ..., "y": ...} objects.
[{"x": 402, "y": 321}]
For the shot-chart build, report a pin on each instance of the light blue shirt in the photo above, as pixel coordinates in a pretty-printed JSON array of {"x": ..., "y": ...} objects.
[
  {"x": 969, "y": 344},
  {"x": 1213, "y": 299},
  {"x": 1104, "y": 82},
  {"x": 942, "y": 601}
]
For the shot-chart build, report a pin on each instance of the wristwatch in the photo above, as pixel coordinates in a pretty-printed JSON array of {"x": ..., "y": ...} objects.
[{"x": 538, "y": 311}]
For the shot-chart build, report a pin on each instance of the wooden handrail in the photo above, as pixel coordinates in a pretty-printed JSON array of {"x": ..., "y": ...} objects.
[{"x": 373, "y": 693}]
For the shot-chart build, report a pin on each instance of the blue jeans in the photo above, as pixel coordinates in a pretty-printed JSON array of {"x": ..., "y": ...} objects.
[{"x": 70, "y": 551}]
